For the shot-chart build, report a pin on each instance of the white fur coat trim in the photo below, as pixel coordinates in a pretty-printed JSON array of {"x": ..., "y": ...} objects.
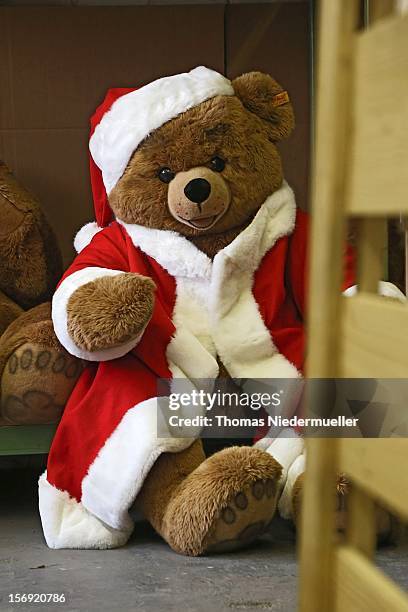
[
  {"x": 68, "y": 524},
  {"x": 180, "y": 257},
  {"x": 84, "y": 236},
  {"x": 130, "y": 451},
  {"x": 101, "y": 518},
  {"x": 385, "y": 288}
]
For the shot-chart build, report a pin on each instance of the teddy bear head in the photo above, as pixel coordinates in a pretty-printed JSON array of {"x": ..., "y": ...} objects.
[{"x": 209, "y": 169}]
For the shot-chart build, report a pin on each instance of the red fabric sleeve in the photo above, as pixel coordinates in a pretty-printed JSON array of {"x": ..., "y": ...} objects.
[{"x": 107, "y": 249}]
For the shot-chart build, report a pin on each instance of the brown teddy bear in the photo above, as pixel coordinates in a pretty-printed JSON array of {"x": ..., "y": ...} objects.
[
  {"x": 37, "y": 375},
  {"x": 194, "y": 270}
]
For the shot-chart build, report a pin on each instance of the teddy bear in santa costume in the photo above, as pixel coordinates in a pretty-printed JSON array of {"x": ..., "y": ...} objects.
[{"x": 195, "y": 268}]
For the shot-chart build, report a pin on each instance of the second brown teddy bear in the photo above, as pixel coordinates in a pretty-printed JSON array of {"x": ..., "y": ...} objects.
[{"x": 36, "y": 374}]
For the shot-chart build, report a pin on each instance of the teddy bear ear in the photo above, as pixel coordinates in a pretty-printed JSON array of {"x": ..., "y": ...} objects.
[{"x": 264, "y": 97}]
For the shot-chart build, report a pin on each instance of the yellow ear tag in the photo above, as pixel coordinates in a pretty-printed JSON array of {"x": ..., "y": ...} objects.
[{"x": 280, "y": 98}]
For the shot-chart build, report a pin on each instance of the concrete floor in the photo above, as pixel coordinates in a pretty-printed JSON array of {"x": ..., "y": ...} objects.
[{"x": 146, "y": 575}]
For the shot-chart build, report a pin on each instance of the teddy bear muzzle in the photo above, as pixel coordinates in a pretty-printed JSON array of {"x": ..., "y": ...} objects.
[{"x": 198, "y": 197}]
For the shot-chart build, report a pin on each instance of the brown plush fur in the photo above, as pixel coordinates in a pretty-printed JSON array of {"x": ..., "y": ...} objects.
[
  {"x": 30, "y": 260},
  {"x": 190, "y": 514},
  {"x": 37, "y": 375},
  {"x": 183, "y": 495},
  {"x": 33, "y": 326},
  {"x": 189, "y": 212},
  {"x": 210, "y": 244},
  {"x": 240, "y": 132},
  {"x": 110, "y": 310},
  {"x": 8, "y": 312},
  {"x": 164, "y": 479},
  {"x": 36, "y": 384},
  {"x": 258, "y": 92}
]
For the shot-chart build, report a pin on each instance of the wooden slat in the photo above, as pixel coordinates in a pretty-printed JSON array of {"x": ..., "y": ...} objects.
[
  {"x": 361, "y": 524},
  {"x": 373, "y": 338},
  {"x": 337, "y": 22},
  {"x": 378, "y": 9},
  {"x": 335, "y": 54},
  {"x": 372, "y": 240},
  {"x": 317, "y": 526},
  {"x": 378, "y": 466},
  {"x": 361, "y": 587},
  {"x": 406, "y": 255},
  {"x": 378, "y": 184},
  {"x": 361, "y": 142}
]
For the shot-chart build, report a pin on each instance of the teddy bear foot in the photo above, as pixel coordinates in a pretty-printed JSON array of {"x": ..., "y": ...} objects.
[
  {"x": 244, "y": 519},
  {"x": 36, "y": 384},
  {"x": 225, "y": 504},
  {"x": 37, "y": 375}
]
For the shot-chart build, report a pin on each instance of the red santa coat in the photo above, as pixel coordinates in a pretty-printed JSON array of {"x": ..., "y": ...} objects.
[{"x": 247, "y": 306}]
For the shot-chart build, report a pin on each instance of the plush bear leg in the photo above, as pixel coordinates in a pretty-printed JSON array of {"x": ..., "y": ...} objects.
[
  {"x": 290, "y": 505},
  {"x": 163, "y": 482},
  {"x": 36, "y": 374},
  {"x": 210, "y": 505}
]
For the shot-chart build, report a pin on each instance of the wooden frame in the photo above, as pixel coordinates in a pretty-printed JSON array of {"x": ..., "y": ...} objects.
[{"x": 357, "y": 175}]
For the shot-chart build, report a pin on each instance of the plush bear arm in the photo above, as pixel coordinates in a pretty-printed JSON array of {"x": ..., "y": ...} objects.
[{"x": 110, "y": 310}]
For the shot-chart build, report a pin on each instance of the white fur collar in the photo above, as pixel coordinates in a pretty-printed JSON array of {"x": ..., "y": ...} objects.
[{"x": 181, "y": 258}]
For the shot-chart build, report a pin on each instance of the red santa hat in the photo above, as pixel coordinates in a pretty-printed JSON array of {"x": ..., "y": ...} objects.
[
  {"x": 126, "y": 117},
  {"x": 103, "y": 213}
]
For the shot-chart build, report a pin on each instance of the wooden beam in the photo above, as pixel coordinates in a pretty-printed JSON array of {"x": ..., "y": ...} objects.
[
  {"x": 378, "y": 467},
  {"x": 371, "y": 250},
  {"x": 377, "y": 182},
  {"x": 361, "y": 521},
  {"x": 337, "y": 23},
  {"x": 318, "y": 526},
  {"x": 378, "y": 9},
  {"x": 372, "y": 340},
  {"x": 361, "y": 587}
]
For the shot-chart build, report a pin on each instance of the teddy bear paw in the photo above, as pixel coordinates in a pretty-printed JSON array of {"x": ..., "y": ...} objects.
[
  {"x": 110, "y": 310},
  {"x": 224, "y": 504},
  {"x": 245, "y": 518},
  {"x": 36, "y": 383}
]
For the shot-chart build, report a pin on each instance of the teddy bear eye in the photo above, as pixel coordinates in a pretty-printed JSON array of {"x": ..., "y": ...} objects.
[
  {"x": 165, "y": 175},
  {"x": 217, "y": 164}
]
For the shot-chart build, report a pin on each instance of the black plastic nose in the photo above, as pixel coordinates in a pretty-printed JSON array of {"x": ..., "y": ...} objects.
[{"x": 197, "y": 190}]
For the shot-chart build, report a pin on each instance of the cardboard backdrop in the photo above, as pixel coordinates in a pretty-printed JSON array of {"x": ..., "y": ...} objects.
[{"x": 57, "y": 62}]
